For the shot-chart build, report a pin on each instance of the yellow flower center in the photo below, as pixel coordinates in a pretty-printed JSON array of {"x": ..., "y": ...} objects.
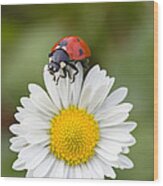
[{"x": 74, "y": 134}]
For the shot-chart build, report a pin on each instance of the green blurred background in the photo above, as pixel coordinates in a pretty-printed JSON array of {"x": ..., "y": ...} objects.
[{"x": 120, "y": 36}]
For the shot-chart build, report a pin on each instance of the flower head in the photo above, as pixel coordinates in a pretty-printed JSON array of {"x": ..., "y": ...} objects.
[{"x": 75, "y": 130}]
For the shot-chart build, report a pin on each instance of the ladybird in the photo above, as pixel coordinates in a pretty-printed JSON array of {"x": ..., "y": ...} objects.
[{"x": 65, "y": 54}]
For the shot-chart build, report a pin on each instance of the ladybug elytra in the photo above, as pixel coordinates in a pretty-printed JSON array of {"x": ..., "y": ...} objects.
[{"x": 65, "y": 54}]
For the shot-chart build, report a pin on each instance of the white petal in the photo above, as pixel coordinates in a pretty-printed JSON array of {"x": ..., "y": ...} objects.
[
  {"x": 71, "y": 172},
  {"x": 85, "y": 171},
  {"x": 39, "y": 97},
  {"x": 19, "y": 116},
  {"x": 54, "y": 169},
  {"x": 92, "y": 171},
  {"x": 37, "y": 137},
  {"x": 121, "y": 138},
  {"x": 44, "y": 166},
  {"x": 66, "y": 170},
  {"x": 77, "y": 170},
  {"x": 63, "y": 90},
  {"x": 95, "y": 77},
  {"x": 41, "y": 107},
  {"x": 16, "y": 139},
  {"x": 103, "y": 153},
  {"x": 29, "y": 174},
  {"x": 109, "y": 146},
  {"x": 90, "y": 75},
  {"x": 29, "y": 152},
  {"x": 60, "y": 169},
  {"x": 125, "y": 107},
  {"x": 107, "y": 161},
  {"x": 93, "y": 81},
  {"x": 35, "y": 161},
  {"x": 98, "y": 167},
  {"x": 18, "y": 144},
  {"x": 35, "y": 124},
  {"x": 52, "y": 88},
  {"x": 112, "y": 80},
  {"x": 123, "y": 127},
  {"x": 125, "y": 162},
  {"x": 117, "y": 96},
  {"x": 85, "y": 97},
  {"x": 125, "y": 150},
  {"x": 109, "y": 172},
  {"x": 25, "y": 101},
  {"x": 18, "y": 165},
  {"x": 77, "y": 85},
  {"x": 35, "y": 120},
  {"x": 114, "y": 120},
  {"x": 106, "y": 110},
  {"x": 16, "y": 129},
  {"x": 100, "y": 95},
  {"x": 27, "y": 104},
  {"x": 24, "y": 114}
]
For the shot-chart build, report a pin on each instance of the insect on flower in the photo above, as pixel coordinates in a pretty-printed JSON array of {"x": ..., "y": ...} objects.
[{"x": 65, "y": 54}]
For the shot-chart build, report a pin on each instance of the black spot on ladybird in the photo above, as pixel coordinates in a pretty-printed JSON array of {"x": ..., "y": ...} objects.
[
  {"x": 80, "y": 51},
  {"x": 78, "y": 39},
  {"x": 63, "y": 43}
]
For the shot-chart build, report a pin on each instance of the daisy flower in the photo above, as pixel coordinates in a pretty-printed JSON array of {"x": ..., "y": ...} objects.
[{"x": 74, "y": 130}]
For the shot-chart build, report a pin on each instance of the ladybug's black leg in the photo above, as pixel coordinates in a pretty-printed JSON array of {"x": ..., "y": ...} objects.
[
  {"x": 56, "y": 79},
  {"x": 50, "y": 55},
  {"x": 64, "y": 73},
  {"x": 68, "y": 72},
  {"x": 74, "y": 68},
  {"x": 56, "y": 82},
  {"x": 85, "y": 63}
]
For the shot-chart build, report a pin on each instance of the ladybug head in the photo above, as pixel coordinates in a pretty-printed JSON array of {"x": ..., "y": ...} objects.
[
  {"x": 55, "y": 60},
  {"x": 53, "y": 67},
  {"x": 60, "y": 65}
]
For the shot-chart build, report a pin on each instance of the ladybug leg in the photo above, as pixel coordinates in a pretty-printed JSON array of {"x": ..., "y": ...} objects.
[
  {"x": 75, "y": 69},
  {"x": 56, "y": 77},
  {"x": 57, "y": 80},
  {"x": 62, "y": 64},
  {"x": 64, "y": 73},
  {"x": 68, "y": 72},
  {"x": 85, "y": 63}
]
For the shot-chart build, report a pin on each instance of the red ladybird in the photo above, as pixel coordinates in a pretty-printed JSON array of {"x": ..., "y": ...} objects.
[{"x": 65, "y": 54}]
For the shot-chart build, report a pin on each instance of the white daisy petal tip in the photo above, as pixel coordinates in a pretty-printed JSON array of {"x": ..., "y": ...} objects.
[
  {"x": 112, "y": 79},
  {"x": 12, "y": 139},
  {"x": 18, "y": 165},
  {"x": 109, "y": 172},
  {"x": 132, "y": 125},
  {"x": 104, "y": 73},
  {"x": 125, "y": 150},
  {"x": 127, "y": 106},
  {"x": 18, "y": 108},
  {"x": 17, "y": 116},
  {"x": 45, "y": 68},
  {"x": 132, "y": 140},
  {"x": 23, "y": 100},
  {"x": 32, "y": 87},
  {"x": 12, "y": 149},
  {"x": 95, "y": 68},
  {"x": 124, "y": 91},
  {"x": 125, "y": 162},
  {"x": 14, "y": 128}
]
